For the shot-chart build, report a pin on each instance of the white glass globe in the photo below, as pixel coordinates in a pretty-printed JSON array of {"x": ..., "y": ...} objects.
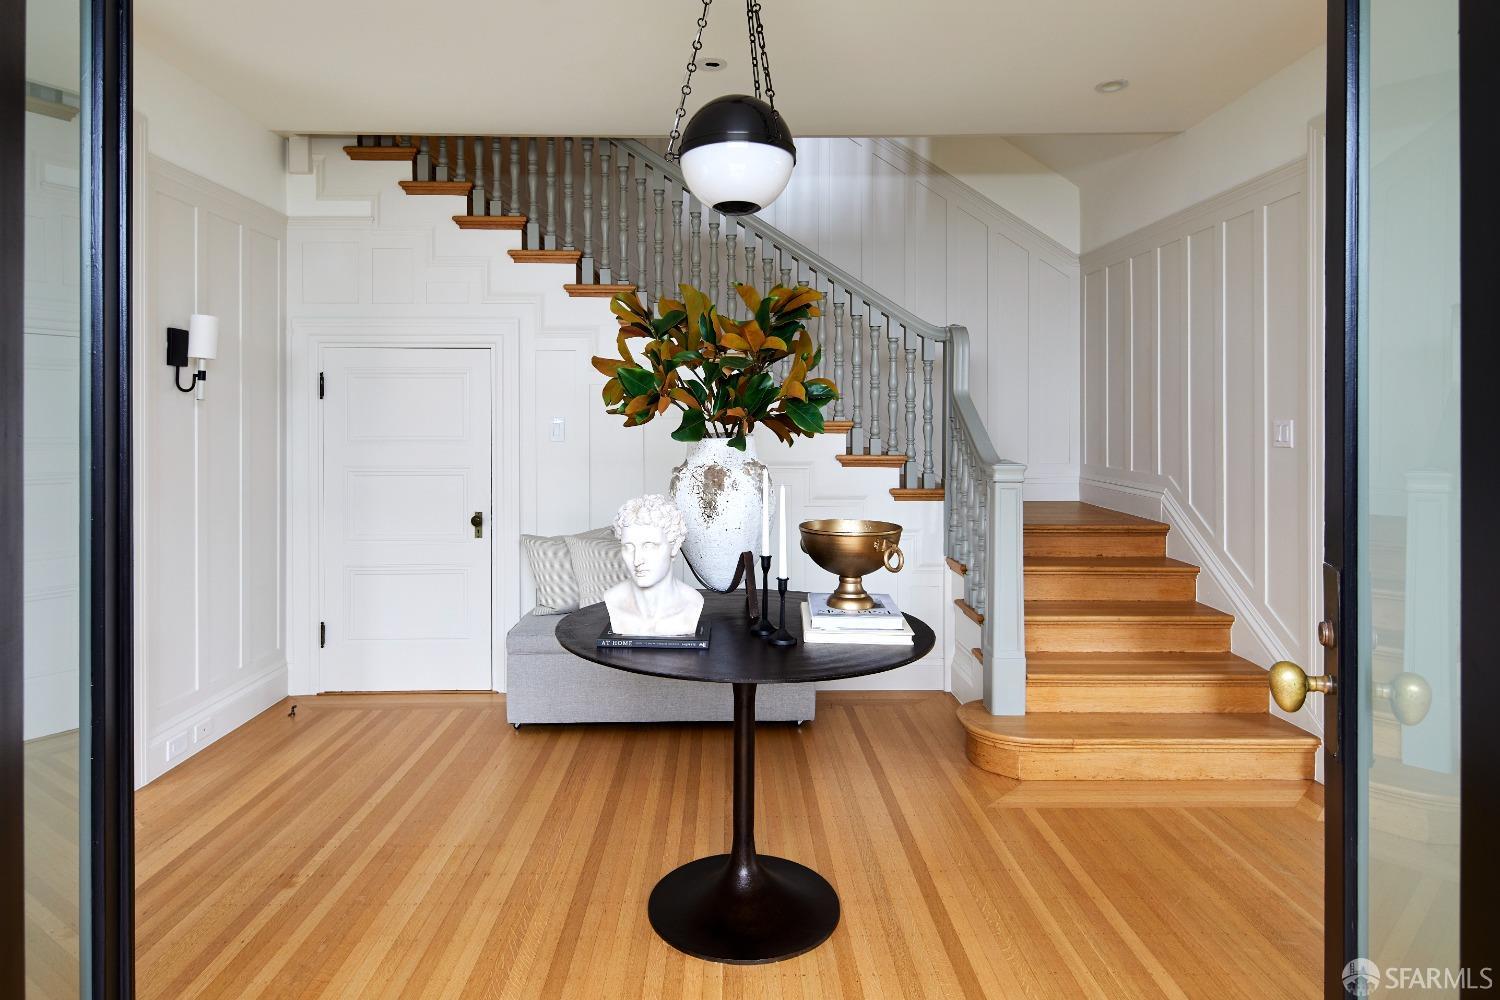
[{"x": 737, "y": 177}]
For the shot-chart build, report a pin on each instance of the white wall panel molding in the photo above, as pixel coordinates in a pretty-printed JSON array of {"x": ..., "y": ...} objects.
[
  {"x": 209, "y": 475},
  {"x": 1200, "y": 334}
]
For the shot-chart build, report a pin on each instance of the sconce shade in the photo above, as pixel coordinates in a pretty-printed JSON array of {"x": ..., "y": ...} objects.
[{"x": 203, "y": 337}]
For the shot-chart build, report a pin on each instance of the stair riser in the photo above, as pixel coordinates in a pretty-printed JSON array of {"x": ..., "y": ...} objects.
[
  {"x": 1087, "y": 586},
  {"x": 1095, "y": 543},
  {"x": 1143, "y": 763},
  {"x": 1126, "y": 637},
  {"x": 1130, "y": 696}
]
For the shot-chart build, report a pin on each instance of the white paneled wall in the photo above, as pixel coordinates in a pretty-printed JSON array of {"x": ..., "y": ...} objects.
[
  {"x": 209, "y": 474},
  {"x": 1198, "y": 339}
]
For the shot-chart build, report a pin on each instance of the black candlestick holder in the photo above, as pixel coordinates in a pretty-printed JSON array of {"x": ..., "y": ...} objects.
[
  {"x": 781, "y": 637},
  {"x": 762, "y": 626}
]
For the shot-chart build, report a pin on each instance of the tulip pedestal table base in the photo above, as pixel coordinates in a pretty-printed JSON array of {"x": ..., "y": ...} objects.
[{"x": 742, "y": 907}]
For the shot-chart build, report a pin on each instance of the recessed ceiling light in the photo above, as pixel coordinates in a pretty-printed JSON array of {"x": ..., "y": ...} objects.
[
  {"x": 712, "y": 63},
  {"x": 1111, "y": 86}
]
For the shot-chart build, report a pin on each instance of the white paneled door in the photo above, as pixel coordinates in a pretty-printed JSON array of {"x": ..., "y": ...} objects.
[{"x": 407, "y": 519}]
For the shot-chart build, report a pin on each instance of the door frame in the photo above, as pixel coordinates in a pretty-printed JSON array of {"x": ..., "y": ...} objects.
[
  {"x": 1479, "y": 644},
  {"x": 322, "y": 335}
]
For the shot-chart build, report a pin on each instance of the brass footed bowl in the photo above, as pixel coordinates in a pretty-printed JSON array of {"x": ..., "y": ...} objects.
[{"x": 850, "y": 549}]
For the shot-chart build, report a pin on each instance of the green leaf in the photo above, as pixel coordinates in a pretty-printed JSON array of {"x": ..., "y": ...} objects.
[
  {"x": 817, "y": 359},
  {"x": 737, "y": 442},
  {"x": 665, "y": 323},
  {"x": 818, "y": 394},
  {"x": 763, "y": 314},
  {"x": 692, "y": 428},
  {"x": 685, "y": 357},
  {"x": 637, "y": 381},
  {"x": 736, "y": 363},
  {"x": 706, "y": 328},
  {"x": 807, "y": 417}
]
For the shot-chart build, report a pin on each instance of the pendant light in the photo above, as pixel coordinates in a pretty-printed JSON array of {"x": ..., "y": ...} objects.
[{"x": 736, "y": 153}]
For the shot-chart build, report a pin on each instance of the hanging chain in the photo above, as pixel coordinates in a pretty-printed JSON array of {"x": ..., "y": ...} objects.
[
  {"x": 687, "y": 84},
  {"x": 754, "y": 57},
  {"x": 758, "y": 41}
]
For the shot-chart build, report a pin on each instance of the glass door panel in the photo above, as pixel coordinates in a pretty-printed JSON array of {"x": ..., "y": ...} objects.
[{"x": 1408, "y": 511}]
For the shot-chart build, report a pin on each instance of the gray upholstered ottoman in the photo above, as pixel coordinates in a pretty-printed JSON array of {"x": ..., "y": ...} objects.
[{"x": 546, "y": 684}]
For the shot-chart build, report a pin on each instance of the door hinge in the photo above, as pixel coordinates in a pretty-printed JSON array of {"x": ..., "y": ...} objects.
[
  {"x": 322, "y": 634},
  {"x": 322, "y": 385}
]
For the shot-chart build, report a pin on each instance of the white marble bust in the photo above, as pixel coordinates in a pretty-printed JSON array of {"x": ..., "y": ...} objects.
[{"x": 652, "y": 601}]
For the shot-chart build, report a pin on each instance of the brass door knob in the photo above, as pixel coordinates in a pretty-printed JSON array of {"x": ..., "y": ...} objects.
[
  {"x": 1410, "y": 698},
  {"x": 1290, "y": 684}
]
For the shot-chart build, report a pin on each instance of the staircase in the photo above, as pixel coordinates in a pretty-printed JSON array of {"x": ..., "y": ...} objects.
[{"x": 1128, "y": 676}]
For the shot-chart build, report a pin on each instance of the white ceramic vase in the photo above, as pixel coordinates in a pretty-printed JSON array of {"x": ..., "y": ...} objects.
[{"x": 718, "y": 490}]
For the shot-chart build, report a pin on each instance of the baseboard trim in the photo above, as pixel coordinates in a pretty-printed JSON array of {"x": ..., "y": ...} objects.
[{"x": 227, "y": 711}]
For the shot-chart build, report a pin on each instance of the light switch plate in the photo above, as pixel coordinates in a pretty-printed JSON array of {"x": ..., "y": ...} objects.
[
  {"x": 559, "y": 429},
  {"x": 1282, "y": 434}
]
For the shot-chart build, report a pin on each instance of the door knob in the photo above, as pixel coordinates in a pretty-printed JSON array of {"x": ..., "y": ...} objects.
[
  {"x": 478, "y": 522},
  {"x": 1289, "y": 685},
  {"x": 1409, "y": 695}
]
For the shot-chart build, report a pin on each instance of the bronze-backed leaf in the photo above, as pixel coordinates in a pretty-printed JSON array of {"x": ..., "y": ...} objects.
[
  {"x": 613, "y": 392},
  {"x": 749, "y": 296},
  {"x": 753, "y": 335},
  {"x": 636, "y": 405},
  {"x": 797, "y": 299},
  {"x": 685, "y": 398},
  {"x": 793, "y": 390},
  {"x": 606, "y": 366},
  {"x": 798, "y": 372},
  {"x": 734, "y": 342},
  {"x": 779, "y": 426},
  {"x": 804, "y": 344},
  {"x": 665, "y": 306},
  {"x": 663, "y": 403},
  {"x": 624, "y": 349},
  {"x": 775, "y": 344}
]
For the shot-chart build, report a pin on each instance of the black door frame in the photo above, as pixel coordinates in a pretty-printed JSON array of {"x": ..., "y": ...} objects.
[
  {"x": 1479, "y": 642},
  {"x": 107, "y": 933}
]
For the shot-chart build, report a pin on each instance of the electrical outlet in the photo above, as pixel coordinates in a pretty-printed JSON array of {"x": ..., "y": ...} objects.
[
  {"x": 201, "y": 730},
  {"x": 177, "y": 746}
]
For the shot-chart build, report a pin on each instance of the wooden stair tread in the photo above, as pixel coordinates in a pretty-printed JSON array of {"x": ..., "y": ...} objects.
[
  {"x": 873, "y": 461},
  {"x": 1106, "y": 564},
  {"x": 507, "y": 222},
  {"x": 387, "y": 153},
  {"x": 546, "y": 256},
  {"x": 1066, "y": 516},
  {"x": 460, "y": 188},
  {"x": 917, "y": 493},
  {"x": 1175, "y": 612},
  {"x": 1106, "y": 668},
  {"x": 597, "y": 291},
  {"x": 956, "y": 566},
  {"x": 968, "y": 611},
  {"x": 1075, "y": 729},
  {"x": 837, "y": 426}
]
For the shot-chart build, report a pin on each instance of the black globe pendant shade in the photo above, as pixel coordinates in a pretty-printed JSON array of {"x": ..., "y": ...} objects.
[{"x": 737, "y": 154}]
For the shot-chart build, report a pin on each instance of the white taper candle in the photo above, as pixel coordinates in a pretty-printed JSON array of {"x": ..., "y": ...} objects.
[
  {"x": 781, "y": 570},
  {"x": 765, "y": 512}
]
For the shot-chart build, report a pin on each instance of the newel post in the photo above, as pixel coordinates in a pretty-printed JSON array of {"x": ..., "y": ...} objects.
[{"x": 1004, "y": 629}]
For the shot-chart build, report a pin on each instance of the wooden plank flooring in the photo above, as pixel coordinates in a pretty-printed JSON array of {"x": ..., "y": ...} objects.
[{"x": 417, "y": 846}]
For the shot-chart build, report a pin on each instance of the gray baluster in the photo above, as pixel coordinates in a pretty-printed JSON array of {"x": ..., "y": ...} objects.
[
  {"x": 695, "y": 244},
  {"x": 929, "y": 475},
  {"x": 478, "y": 198},
  {"x": 624, "y": 261},
  {"x": 441, "y": 172},
  {"x": 658, "y": 238},
  {"x": 910, "y": 472},
  {"x": 838, "y": 351},
  {"x": 750, "y": 241},
  {"x": 726, "y": 297},
  {"x": 533, "y": 209},
  {"x": 386, "y": 140},
  {"x": 496, "y": 204},
  {"x": 714, "y": 295},
  {"x": 950, "y": 495},
  {"x": 606, "y": 273},
  {"x": 549, "y": 236},
  {"x": 786, "y": 277},
  {"x": 460, "y": 172},
  {"x": 515, "y": 177},
  {"x": 568, "y": 194},
  {"x": 676, "y": 245},
  {"x": 873, "y": 441},
  {"x": 642, "y": 276},
  {"x": 586, "y": 265},
  {"x": 855, "y": 371},
  {"x": 421, "y": 168},
  {"x": 893, "y": 395},
  {"x": 982, "y": 584},
  {"x": 767, "y": 268}
]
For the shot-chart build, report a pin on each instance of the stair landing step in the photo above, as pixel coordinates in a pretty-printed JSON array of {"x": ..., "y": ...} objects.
[
  {"x": 387, "y": 153},
  {"x": 461, "y": 188},
  {"x": 1137, "y": 746},
  {"x": 1066, "y": 528}
]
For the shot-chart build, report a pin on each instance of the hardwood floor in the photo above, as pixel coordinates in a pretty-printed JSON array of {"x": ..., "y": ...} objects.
[
  {"x": 51, "y": 823},
  {"x": 417, "y": 846}
]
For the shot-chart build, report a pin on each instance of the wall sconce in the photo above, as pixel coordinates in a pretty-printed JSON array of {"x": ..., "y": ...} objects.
[{"x": 199, "y": 341}]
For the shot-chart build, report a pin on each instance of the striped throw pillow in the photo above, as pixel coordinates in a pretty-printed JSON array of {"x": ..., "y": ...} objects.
[
  {"x": 597, "y": 565},
  {"x": 552, "y": 573}
]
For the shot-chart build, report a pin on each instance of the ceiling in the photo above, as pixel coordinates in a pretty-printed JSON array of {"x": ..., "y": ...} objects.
[{"x": 841, "y": 67}]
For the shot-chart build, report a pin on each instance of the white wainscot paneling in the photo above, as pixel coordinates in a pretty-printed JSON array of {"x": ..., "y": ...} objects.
[{"x": 1196, "y": 338}]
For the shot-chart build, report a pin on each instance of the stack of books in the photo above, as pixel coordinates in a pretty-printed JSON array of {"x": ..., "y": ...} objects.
[{"x": 881, "y": 625}]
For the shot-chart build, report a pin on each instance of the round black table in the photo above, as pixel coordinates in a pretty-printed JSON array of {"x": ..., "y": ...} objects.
[{"x": 742, "y": 907}]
